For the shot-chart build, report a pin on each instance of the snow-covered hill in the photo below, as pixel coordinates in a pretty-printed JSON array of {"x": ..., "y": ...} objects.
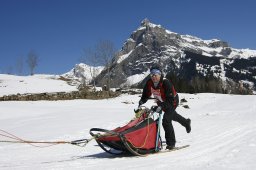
[
  {"x": 39, "y": 83},
  {"x": 223, "y": 132},
  {"x": 11, "y": 84}
]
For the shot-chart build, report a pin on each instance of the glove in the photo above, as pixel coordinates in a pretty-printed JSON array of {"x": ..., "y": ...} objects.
[
  {"x": 137, "y": 110},
  {"x": 138, "y": 113},
  {"x": 157, "y": 109}
]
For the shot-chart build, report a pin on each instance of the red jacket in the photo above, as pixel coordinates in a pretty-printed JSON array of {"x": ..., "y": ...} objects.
[{"x": 165, "y": 93}]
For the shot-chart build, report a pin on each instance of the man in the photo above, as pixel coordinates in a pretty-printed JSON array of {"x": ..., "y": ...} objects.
[{"x": 167, "y": 100}]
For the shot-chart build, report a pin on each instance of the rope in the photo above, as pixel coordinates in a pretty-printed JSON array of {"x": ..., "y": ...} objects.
[{"x": 81, "y": 142}]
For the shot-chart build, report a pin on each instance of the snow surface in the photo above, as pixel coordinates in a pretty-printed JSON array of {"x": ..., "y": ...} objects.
[{"x": 223, "y": 133}]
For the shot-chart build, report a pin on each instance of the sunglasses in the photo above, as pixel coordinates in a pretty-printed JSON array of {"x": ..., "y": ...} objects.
[{"x": 154, "y": 75}]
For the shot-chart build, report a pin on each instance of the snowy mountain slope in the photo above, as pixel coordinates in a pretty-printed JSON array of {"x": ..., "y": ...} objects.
[
  {"x": 82, "y": 73},
  {"x": 223, "y": 134},
  {"x": 11, "y": 84},
  {"x": 215, "y": 47}
]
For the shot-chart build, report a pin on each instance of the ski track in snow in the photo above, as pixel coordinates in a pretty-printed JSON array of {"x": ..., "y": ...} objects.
[{"x": 223, "y": 134}]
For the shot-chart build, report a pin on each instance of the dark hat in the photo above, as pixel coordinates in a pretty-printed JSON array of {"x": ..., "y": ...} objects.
[{"x": 155, "y": 67}]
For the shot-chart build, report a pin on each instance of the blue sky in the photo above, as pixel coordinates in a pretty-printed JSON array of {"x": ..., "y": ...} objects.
[{"x": 59, "y": 30}]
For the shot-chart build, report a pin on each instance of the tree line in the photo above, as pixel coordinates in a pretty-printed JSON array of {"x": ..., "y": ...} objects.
[{"x": 208, "y": 84}]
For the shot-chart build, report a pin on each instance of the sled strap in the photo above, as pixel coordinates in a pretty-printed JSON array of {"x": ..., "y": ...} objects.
[{"x": 81, "y": 142}]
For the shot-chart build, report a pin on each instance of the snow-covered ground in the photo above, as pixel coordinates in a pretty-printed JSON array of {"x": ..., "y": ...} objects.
[{"x": 223, "y": 134}]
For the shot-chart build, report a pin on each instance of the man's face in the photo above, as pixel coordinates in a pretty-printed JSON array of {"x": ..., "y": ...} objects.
[{"x": 155, "y": 77}]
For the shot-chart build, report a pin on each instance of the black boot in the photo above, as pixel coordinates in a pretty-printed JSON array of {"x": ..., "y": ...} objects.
[
  {"x": 188, "y": 126},
  {"x": 170, "y": 147}
]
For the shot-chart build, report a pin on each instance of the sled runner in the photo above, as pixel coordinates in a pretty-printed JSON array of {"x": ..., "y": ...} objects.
[{"x": 139, "y": 137}]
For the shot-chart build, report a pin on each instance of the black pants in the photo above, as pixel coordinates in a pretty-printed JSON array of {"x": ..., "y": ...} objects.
[{"x": 169, "y": 116}]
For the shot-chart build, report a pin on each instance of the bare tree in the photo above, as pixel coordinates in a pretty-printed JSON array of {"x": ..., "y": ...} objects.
[
  {"x": 106, "y": 51},
  {"x": 90, "y": 57},
  {"x": 32, "y": 61},
  {"x": 102, "y": 54},
  {"x": 19, "y": 65}
]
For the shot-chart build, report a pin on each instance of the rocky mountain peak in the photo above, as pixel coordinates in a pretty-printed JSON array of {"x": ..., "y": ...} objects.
[
  {"x": 185, "y": 56},
  {"x": 145, "y": 22}
]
